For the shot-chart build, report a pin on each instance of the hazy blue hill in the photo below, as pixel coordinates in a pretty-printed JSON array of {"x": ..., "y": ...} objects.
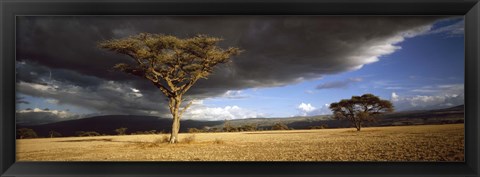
[
  {"x": 107, "y": 124},
  {"x": 268, "y": 122},
  {"x": 437, "y": 116}
]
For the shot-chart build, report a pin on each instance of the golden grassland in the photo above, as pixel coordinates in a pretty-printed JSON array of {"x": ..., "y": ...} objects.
[{"x": 401, "y": 143}]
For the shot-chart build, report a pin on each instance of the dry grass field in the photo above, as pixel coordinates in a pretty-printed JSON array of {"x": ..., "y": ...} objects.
[{"x": 402, "y": 143}]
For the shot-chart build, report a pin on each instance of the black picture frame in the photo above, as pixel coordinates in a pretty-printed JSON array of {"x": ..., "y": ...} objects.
[{"x": 11, "y": 8}]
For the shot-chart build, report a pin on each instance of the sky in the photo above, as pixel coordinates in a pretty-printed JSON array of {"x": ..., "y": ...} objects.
[{"x": 291, "y": 65}]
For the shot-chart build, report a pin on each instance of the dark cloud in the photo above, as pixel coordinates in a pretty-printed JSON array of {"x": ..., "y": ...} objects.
[
  {"x": 59, "y": 54},
  {"x": 42, "y": 116},
  {"x": 109, "y": 97}
]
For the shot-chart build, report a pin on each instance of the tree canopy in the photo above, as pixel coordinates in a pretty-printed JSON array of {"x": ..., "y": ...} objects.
[{"x": 170, "y": 63}]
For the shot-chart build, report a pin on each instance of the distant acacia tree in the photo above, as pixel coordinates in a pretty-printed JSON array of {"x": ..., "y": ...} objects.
[
  {"x": 360, "y": 109},
  {"x": 227, "y": 127},
  {"x": 121, "y": 131},
  {"x": 194, "y": 130},
  {"x": 53, "y": 133},
  {"x": 26, "y": 133},
  {"x": 251, "y": 127},
  {"x": 172, "y": 64},
  {"x": 87, "y": 133}
]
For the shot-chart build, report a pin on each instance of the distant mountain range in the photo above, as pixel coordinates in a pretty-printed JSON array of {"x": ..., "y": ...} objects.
[{"x": 108, "y": 124}]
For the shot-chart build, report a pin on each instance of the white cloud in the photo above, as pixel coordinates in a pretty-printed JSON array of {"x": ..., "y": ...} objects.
[
  {"x": 59, "y": 113},
  {"x": 307, "y": 109},
  {"x": 197, "y": 102},
  {"x": 35, "y": 86},
  {"x": 441, "y": 96},
  {"x": 394, "y": 97},
  {"x": 52, "y": 101},
  {"x": 135, "y": 93},
  {"x": 234, "y": 94},
  {"x": 199, "y": 111},
  {"x": 42, "y": 116},
  {"x": 135, "y": 90}
]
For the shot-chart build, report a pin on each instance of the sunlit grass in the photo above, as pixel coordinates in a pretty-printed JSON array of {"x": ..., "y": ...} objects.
[{"x": 402, "y": 143}]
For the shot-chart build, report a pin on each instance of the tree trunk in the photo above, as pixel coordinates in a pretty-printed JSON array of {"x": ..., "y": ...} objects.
[
  {"x": 358, "y": 125},
  {"x": 174, "y": 109},
  {"x": 175, "y": 130}
]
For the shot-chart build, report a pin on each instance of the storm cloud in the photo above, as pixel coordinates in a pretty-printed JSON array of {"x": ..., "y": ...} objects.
[{"x": 57, "y": 57}]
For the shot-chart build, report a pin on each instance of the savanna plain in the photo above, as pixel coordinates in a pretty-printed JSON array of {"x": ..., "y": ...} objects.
[{"x": 395, "y": 143}]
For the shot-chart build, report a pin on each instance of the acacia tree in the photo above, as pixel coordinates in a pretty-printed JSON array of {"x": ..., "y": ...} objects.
[
  {"x": 172, "y": 64},
  {"x": 360, "y": 109},
  {"x": 54, "y": 133},
  {"x": 279, "y": 126},
  {"x": 26, "y": 133},
  {"x": 121, "y": 130}
]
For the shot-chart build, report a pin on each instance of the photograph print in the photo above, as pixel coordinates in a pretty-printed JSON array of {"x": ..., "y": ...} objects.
[{"x": 240, "y": 88}]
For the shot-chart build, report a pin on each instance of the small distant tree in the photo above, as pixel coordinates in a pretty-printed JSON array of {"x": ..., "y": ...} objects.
[
  {"x": 227, "y": 127},
  {"x": 79, "y": 133},
  {"x": 121, "y": 131},
  {"x": 360, "y": 109},
  {"x": 53, "y": 133},
  {"x": 26, "y": 133},
  {"x": 323, "y": 126},
  {"x": 172, "y": 64},
  {"x": 92, "y": 133},
  {"x": 88, "y": 133},
  {"x": 252, "y": 127},
  {"x": 194, "y": 130},
  {"x": 279, "y": 126}
]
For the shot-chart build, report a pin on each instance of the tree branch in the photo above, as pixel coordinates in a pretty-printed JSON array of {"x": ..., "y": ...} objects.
[
  {"x": 162, "y": 88},
  {"x": 187, "y": 86},
  {"x": 186, "y": 107}
]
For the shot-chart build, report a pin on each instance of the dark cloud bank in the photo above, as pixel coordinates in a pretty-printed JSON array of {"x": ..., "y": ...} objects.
[{"x": 57, "y": 57}]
